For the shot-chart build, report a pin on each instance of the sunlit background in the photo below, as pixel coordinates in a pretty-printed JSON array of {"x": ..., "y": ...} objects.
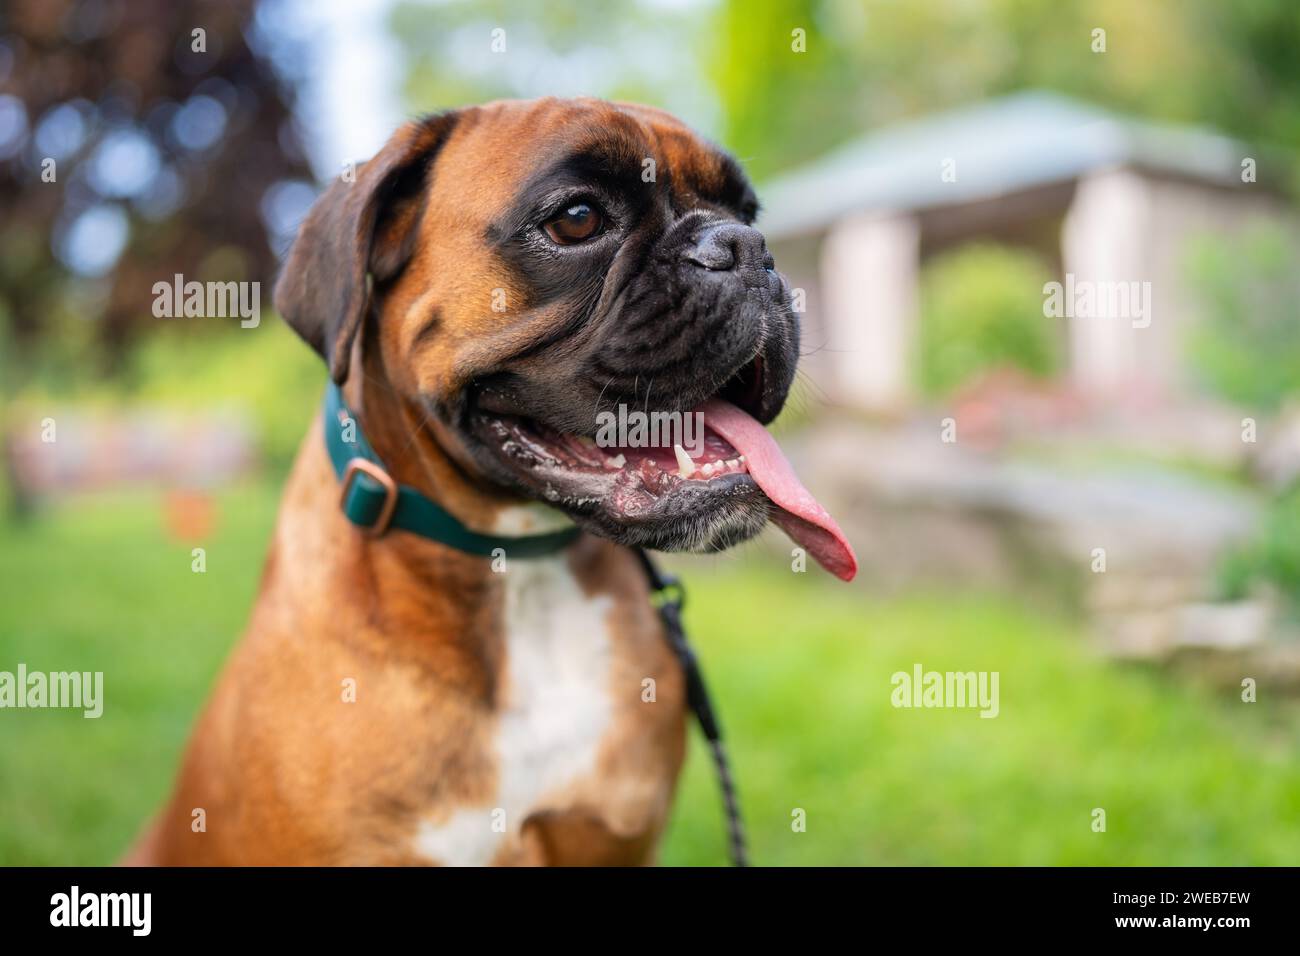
[{"x": 1104, "y": 509}]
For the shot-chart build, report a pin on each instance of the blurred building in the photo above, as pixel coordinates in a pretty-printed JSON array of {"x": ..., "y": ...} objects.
[{"x": 1100, "y": 197}]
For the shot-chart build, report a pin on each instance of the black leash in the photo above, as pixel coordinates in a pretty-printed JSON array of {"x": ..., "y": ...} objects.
[{"x": 672, "y": 595}]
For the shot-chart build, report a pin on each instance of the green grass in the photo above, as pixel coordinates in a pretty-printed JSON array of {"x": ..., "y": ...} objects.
[
  {"x": 802, "y": 671},
  {"x": 800, "y": 667}
]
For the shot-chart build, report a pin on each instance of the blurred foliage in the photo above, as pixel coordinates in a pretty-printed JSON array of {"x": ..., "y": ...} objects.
[
  {"x": 469, "y": 51},
  {"x": 731, "y": 66},
  {"x": 1272, "y": 559},
  {"x": 1247, "y": 348},
  {"x": 165, "y": 148},
  {"x": 982, "y": 309},
  {"x": 266, "y": 372},
  {"x": 1231, "y": 65}
]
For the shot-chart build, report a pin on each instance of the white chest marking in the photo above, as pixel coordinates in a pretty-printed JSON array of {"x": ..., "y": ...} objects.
[
  {"x": 555, "y": 709},
  {"x": 530, "y": 518}
]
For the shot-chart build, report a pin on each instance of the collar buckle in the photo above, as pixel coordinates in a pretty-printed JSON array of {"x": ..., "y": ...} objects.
[{"x": 361, "y": 466}]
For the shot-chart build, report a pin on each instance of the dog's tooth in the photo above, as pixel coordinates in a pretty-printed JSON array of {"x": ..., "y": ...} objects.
[
  {"x": 708, "y": 470},
  {"x": 685, "y": 467},
  {"x": 618, "y": 461},
  {"x": 587, "y": 441}
]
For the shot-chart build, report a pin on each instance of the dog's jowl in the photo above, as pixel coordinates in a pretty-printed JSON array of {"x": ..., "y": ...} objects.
[{"x": 453, "y": 670}]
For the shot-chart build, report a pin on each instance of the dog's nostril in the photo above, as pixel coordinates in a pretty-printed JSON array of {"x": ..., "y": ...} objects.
[
  {"x": 716, "y": 257},
  {"x": 727, "y": 245}
]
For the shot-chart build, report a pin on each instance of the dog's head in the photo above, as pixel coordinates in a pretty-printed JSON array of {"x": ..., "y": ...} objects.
[{"x": 534, "y": 271}]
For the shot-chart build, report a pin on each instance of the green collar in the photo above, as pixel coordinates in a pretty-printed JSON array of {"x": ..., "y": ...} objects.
[{"x": 373, "y": 501}]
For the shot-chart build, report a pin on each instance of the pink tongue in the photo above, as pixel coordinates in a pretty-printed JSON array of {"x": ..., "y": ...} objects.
[{"x": 799, "y": 514}]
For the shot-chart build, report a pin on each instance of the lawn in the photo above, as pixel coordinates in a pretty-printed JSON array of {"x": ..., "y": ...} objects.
[{"x": 800, "y": 666}]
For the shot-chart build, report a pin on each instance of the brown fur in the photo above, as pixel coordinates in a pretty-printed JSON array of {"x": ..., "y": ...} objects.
[{"x": 285, "y": 771}]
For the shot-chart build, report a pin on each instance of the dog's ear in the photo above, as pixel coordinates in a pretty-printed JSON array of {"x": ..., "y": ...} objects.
[{"x": 357, "y": 230}]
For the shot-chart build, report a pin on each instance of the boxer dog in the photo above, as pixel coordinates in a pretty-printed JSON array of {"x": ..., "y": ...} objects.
[{"x": 482, "y": 288}]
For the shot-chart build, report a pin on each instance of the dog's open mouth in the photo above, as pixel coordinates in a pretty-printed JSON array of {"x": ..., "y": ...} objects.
[{"x": 714, "y": 489}]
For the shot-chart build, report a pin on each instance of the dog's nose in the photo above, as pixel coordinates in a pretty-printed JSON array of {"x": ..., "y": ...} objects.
[{"x": 728, "y": 245}]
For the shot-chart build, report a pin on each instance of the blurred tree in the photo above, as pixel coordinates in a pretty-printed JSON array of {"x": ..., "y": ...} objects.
[
  {"x": 983, "y": 310},
  {"x": 862, "y": 63},
  {"x": 1271, "y": 559},
  {"x": 137, "y": 140},
  {"x": 469, "y": 51},
  {"x": 1247, "y": 348},
  {"x": 782, "y": 81}
]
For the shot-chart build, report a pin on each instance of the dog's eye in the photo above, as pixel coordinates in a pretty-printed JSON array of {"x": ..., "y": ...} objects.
[{"x": 577, "y": 223}]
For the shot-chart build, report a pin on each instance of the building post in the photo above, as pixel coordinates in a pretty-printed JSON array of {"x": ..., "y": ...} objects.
[{"x": 870, "y": 267}]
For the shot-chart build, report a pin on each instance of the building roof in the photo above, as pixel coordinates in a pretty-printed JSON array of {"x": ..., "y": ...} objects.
[{"x": 999, "y": 146}]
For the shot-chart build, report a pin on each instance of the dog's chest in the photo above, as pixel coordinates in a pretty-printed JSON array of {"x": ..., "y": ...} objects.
[{"x": 555, "y": 709}]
